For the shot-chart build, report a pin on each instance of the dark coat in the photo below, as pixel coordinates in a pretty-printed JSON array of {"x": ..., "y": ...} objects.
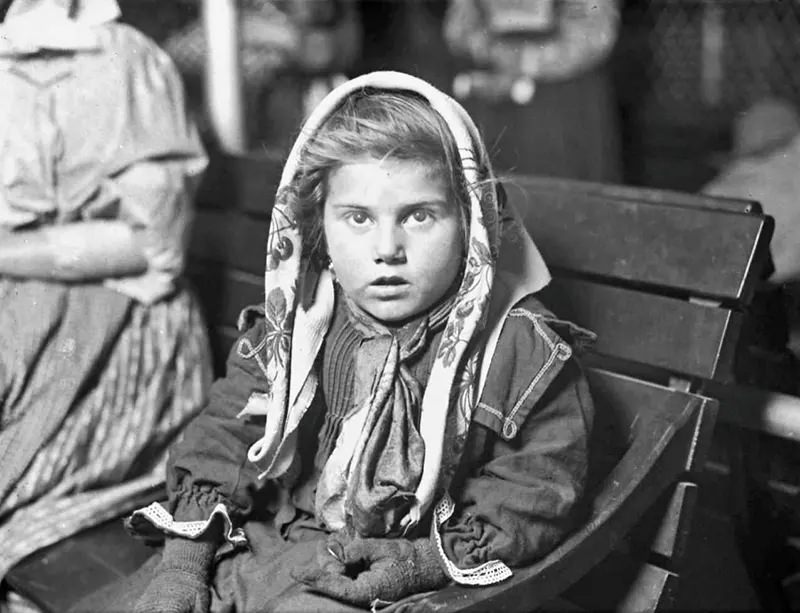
[{"x": 521, "y": 478}]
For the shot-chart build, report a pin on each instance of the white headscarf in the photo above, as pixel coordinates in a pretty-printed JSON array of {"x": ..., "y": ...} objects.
[{"x": 296, "y": 331}]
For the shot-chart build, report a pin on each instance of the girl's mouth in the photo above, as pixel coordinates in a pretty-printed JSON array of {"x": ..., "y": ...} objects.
[{"x": 389, "y": 281}]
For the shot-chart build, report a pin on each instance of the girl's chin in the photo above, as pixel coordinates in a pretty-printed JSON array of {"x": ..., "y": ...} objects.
[{"x": 392, "y": 311}]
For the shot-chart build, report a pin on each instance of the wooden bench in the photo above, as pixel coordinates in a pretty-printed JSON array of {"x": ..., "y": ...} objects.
[
  {"x": 664, "y": 286},
  {"x": 759, "y": 426},
  {"x": 664, "y": 283}
]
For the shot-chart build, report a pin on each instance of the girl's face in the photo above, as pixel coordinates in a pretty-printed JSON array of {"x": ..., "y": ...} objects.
[{"x": 393, "y": 238}]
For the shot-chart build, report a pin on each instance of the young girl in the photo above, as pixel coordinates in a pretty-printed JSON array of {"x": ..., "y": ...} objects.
[{"x": 400, "y": 413}]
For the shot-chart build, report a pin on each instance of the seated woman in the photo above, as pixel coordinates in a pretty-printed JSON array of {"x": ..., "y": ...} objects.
[
  {"x": 402, "y": 411},
  {"x": 541, "y": 87},
  {"x": 103, "y": 354}
]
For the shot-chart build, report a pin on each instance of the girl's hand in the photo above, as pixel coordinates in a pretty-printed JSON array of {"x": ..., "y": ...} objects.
[
  {"x": 175, "y": 591},
  {"x": 362, "y": 571},
  {"x": 181, "y": 585}
]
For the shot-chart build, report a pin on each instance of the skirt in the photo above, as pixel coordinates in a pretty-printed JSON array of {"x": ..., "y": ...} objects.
[{"x": 93, "y": 387}]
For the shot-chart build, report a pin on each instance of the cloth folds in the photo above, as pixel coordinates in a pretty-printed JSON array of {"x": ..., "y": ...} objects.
[
  {"x": 379, "y": 485},
  {"x": 92, "y": 387},
  {"x": 32, "y": 26},
  {"x": 102, "y": 134}
]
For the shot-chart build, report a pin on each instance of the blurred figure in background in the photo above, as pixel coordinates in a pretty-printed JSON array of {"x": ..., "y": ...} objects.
[
  {"x": 292, "y": 53},
  {"x": 536, "y": 80},
  {"x": 408, "y": 37},
  {"x": 764, "y": 165},
  {"x": 103, "y": 353}
]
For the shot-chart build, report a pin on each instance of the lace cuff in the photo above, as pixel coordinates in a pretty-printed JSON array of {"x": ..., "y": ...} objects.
[
  {"x": 488, "y": 573},
  {"x": 154, "y": 520}
]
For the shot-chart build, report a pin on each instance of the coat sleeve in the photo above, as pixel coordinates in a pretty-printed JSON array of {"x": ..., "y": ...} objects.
[
  {"x": 529, "y": 447},
  {"x": 209, "y": 465}
]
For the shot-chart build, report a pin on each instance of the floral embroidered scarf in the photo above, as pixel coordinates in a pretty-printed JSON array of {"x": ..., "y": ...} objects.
[{"x": 502, "y": 265}]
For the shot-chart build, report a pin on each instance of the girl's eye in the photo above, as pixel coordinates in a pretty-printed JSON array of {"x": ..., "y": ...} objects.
[
  {"x": 358, "y": 218},
  {"x": 420, "y": 216}
]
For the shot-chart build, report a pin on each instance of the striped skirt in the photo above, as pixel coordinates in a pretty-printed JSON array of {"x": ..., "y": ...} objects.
[{"x": 93, "y": 387}]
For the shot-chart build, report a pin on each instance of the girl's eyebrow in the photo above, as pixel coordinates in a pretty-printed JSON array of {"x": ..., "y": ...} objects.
[
  {"x": 402, "y": 207},
  {"x": 437, "y": 203}
]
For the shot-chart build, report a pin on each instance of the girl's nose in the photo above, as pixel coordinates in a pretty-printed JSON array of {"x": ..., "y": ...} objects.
[{"x": 389, "y": 245}]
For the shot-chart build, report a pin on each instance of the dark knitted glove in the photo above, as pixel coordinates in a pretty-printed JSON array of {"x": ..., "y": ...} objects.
[
  {"x": 375, "y": 569},
  {"x": 181, "y": 585}
]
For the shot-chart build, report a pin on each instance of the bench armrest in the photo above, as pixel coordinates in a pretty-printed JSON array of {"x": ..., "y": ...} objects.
[{"x": 653, "y": 462}]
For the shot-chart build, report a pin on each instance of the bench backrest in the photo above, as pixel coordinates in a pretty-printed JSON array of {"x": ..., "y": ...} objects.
[
  {"x": 661, "y": 277},
  {"x": 672, "y": 276},
  {"x": 227, "y": 250},
  {"x": 664, "y": 278}
]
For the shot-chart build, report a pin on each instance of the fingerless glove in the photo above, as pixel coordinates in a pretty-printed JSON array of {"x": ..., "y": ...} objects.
[
  {"x": 392, "y": 569},
  {"x": 181, "y": 585}
]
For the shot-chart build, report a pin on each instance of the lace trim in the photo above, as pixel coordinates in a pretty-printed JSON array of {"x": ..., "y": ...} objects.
[
  {"x": 488, "y": 573},
  {"x": 157, "y": 516}
]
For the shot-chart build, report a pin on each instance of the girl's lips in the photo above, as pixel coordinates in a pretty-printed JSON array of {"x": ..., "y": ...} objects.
[
  {"x": 389, "y": 288},
  {"x": 389, "y": 281}
]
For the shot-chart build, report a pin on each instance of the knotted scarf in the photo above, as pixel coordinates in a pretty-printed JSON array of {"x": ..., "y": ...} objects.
[{"x": 369, "y": 480}]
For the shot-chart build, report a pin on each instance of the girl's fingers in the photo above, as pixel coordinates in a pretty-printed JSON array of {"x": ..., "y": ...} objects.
[{"x": 358, "y": 550}]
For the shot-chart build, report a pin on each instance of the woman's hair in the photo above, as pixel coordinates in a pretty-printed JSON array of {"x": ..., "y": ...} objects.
[{"x": 372, "y": 124}]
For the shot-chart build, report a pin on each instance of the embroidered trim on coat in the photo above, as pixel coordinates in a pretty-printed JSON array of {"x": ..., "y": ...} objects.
[{"x": 559, "y": 351}]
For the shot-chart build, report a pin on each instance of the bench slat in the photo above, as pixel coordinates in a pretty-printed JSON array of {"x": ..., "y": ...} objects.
[
  {"x": 664, "y": 529},
  {"x": 249, "y": 182},
  {"x": 231, "y": 238},
  {"x": 700, "y": 252},
  {"x": 224, "y": 292},
  {"x": 683, "y": 337},
  {"x": 648, "y": 195},
  {"x": 246, "y": 183},
  {"x": 673, "y": 534}
]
